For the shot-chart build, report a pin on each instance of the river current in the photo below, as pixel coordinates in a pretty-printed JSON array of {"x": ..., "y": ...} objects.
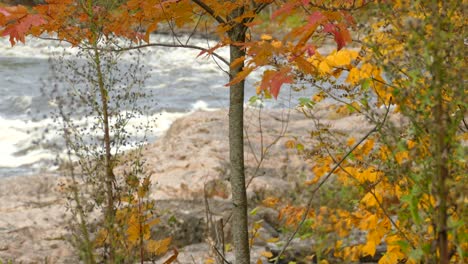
[{"x": 179, "y": 82}]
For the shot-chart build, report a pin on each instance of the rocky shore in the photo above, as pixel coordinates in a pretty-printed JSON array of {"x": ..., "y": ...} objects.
[{"x": 190, "y": 162}]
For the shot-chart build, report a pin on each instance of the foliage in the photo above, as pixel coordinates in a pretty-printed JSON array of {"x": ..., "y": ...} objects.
[
  {"x": 409, "y": 174},
  {"x": 404, "y": 74}
]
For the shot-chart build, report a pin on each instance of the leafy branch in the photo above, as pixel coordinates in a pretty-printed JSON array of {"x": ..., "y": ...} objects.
[{"x": 335, "y": 167}]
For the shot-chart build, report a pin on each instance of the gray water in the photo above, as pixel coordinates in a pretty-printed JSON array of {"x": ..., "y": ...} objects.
[{"x": 179, "y": 81}]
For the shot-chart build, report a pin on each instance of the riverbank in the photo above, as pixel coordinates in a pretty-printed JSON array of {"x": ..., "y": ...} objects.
[{"x": 192, "y": 155}]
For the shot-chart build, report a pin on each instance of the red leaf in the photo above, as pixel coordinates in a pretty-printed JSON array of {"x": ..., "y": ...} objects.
[
  {"x": 18, "y": 30},
  {"x": 275, "y": 79},
  {"x": 285, "y": 9},
  {"x": 339, "y": 32},
  {"x": 310, "y": 50},
  {"x": 4, "y": 12},
  {"x": 316, "y": 17}
]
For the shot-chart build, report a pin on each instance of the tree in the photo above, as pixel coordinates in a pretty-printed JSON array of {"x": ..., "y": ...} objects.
[
  {"x": 407, "y": 173},
  {"x": 79, "y": 21}
]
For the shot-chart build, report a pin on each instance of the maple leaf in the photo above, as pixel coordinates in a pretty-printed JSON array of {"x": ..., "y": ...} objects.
[
  {"x": 241, "y": 75},
  {"x": 316, "y": 18},
  {"x": 273, "y": 80},
  {"x": 17, "y": 31},
  {"x": 4, "y": 12},
  {"x": 285, "y": 9},
  {"x": 339, "y": 32}
]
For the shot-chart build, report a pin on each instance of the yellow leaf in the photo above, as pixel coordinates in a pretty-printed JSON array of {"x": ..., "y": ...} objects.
[
  {"x": 367, "y": 147},
  {"x": 266, "y": 37},
  {"x": 290, "y": 144},
  {"x": 369, "y": 222},
  {"x": 228, "y": 247},
  {"x": 323, "y": 261},
  {"x": 369, "y": 200},
  {"x": 411, "y": 144},
  {"x": 276, "y": 44},
  {"x": 369, "y": 174},
  {"x": 272, "y": 240},
  {"x": 369, "y": 248},
  {"x": 367, "y": 71},
  {"x": 133, "y": 234},
  {"x": 319, "y": 97},
  {"x": 153, "y": 222},
  {"x": 266, "y": 254},
  {"x": 259, "y": 261},
  {"x": 324, "y": 68},
  {"x": 313, "y": 181},
  {"x": 353, "y": 76},
  {"x": 341, "y": 58},
  {"x": 388, "y": 258},
  {"x": 100, "y": 238},
  {"x": 401, "y": 156},
  {"x": 158, "y": 247},
  {"x": 270, "y": 201},
  {"x": 350, "y": 142},
  {"x": 209, "y": 261}
]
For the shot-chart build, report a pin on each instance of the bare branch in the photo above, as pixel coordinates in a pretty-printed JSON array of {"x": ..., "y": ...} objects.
[
  {"x": 209, "y": 11},
  {"x": 174, "y": 46}
]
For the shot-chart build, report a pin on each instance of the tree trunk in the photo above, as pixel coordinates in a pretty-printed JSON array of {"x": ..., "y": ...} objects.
[{"x": 236, "y": 148}]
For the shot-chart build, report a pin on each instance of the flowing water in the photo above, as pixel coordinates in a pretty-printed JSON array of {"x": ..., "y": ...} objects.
[{"x": 179, "y": 81}]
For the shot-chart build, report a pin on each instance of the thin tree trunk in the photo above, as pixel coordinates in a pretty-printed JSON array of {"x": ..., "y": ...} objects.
[
  {"x": 109, "y": 174},
  {"x": 236, "y": 148},
  {"x": 441, "y": 155}
]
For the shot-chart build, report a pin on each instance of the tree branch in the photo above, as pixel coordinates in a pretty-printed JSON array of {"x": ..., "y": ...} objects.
[
  {"x": 209, "y": 11},
  {"x": 173, "y": 46}
]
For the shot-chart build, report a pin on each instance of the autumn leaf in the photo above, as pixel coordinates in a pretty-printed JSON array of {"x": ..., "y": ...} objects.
[
  {"x": 159, "y": 247},
  {"x": 369, "y": 248},
  {"x": 241, "y": 76},
  {"x": 270, "y": 201},
  {"x": 17, "y": 31},
  {"x": 316, "y": 18},
  {"x": 305, "y": 66},
  {"x": 273, "y": 80},
  {"x": 266, "y": 254},
  {"x": 339, "y": 32}
]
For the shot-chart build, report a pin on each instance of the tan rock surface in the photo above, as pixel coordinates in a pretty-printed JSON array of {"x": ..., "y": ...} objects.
[{"x": 33, "y": 221}]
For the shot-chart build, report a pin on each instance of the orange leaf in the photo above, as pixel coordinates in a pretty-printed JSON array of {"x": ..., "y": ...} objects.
[
  {"x": 273, "y": 80},
  {"x": 241, "y": 76}
]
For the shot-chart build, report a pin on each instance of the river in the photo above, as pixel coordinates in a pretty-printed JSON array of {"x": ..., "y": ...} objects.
[{"x": 179, "y": 82}]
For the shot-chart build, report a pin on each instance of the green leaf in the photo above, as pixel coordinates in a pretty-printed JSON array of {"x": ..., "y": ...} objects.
[
  {"x": 254, "y": 211},
  {"x": 299, "y": 147},
  {"x": 416, "y": 254},
  {"x": 253, "y": 100},
  {"x": 306, "y": 102},
  {"x": 172, "y": 220},
  {"x": 366, "y": 85}
]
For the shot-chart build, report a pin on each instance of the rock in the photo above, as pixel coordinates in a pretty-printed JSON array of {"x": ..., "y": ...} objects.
[
  {"x": 189, "y": 163},
  {"x": 33, "y": 221},
  {"x": 200, "y": 253}
]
